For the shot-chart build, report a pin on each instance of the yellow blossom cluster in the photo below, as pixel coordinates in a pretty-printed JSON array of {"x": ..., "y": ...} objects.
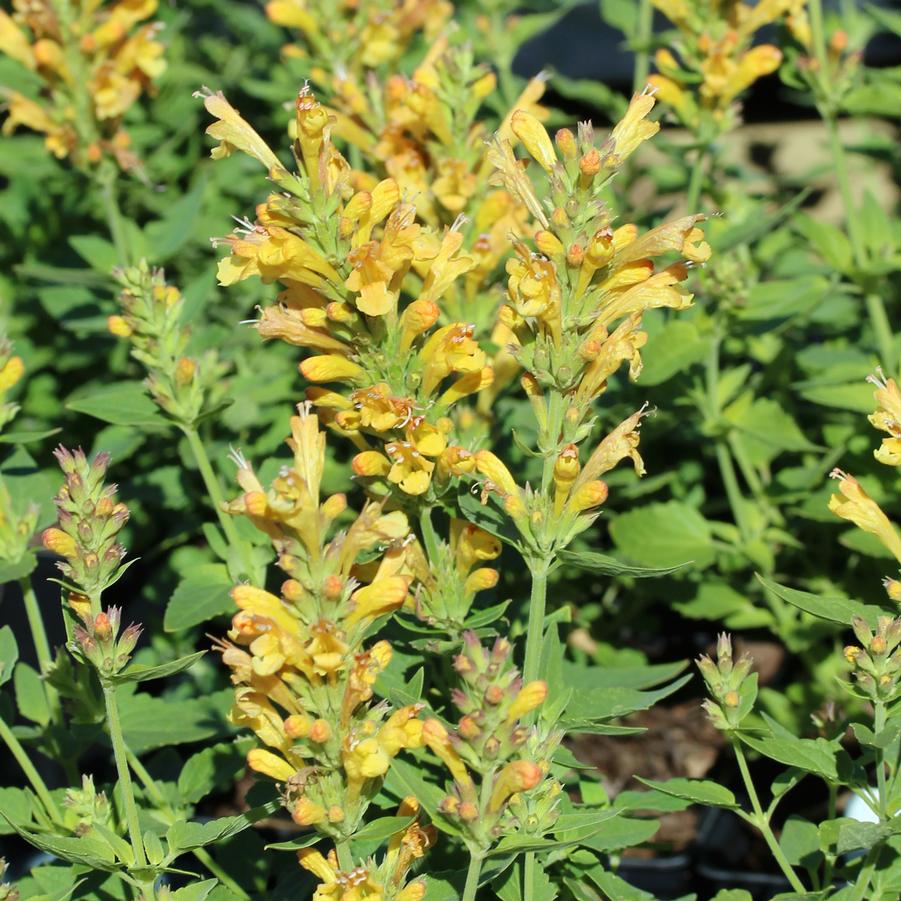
[
  {"x": 303, "y": 674},
  {"x": 94, "y": 59},
  {"x": 357, "y": 37},
  {"x": 386, "y": 881},
  {"x": 11, "y": 371},
  {"x": 363, "y": 285},
  {"x": 852, "y": 502},
  {"x": 491, "y": 754},
  {"x": 716, "y": 59}
]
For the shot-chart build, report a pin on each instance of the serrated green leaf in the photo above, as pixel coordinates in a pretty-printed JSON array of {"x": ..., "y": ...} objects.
[
  {"x": 205, "y": 592},
  {"x": 121, "y": 403},
  {"x": 139, "y": 673},
  {"x": 9, "y": 654},
  {"x": 698, "y": 791},
  {"x": 31, "y": 695},
  {"x": 837, "y": 610},
  {"x": 664, "y": 535},
  {"x": 591, "y": 561}
]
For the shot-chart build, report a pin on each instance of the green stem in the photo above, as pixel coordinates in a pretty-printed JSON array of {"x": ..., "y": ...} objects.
[
  {"x": 535, "y": 632},
  {"x": 761, "y": 821},
  {"x": 885, "y": 338},
  {"x": 878, "y": 728},
  {"x": 28, "y": 768},
  {"x": 528, "y": 876},
  {"x": 723, "y": 457},
  {"x": 642, "y": 48},
  {"x": 345, "y": 859},
  {"x": 472, "y": 877},
  {"x": 214, "y": 490},
  {"x": 429, "y": 536},
  {"x": 207, "y": 860},
  {"x": 120, "y": 754},
  {"x": 165, "y": 808},
  {"x": 41, "y": 644},
  {"x": 696, "y": 181},
  {"x": 866, "y": 874},
  {"x": 106, "y": 179}
]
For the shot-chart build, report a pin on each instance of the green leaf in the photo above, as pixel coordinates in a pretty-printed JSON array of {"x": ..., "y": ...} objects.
[
  {"x": 97, "y": 252},
  {"x": 121, "y": 403},
  {"x": 17, "y": 805},
  {"x": 197, "y": 891},
  {"x": 698, "y": 791},
  {"x": 608, "y": 703},
  {"x": 615, "y": 888},
  {"x": 19, "y": 569},
  {"x": 205, "y": 592},
  {"x": 814, "y": 755},
  {"x": 184, "y": 836},
  {"x": 800, "y": 840},
  {"x": 732, "y": 894},
  {"x": 405, "y": 778},
  {"x": 784, "y": 298},
  {"x": 138, "y": 673},
  {"x": 837, "y": 610},
  {"x": 582, "y": 677},
  {"x": 488, "y": 516},
  {"x": 664, "y": 535},
  {"x": 673, "y": 349},
  {"x": 89, "y": 850},
  {"x": 830, "y": 242},
  {"x": 213, "y": 767},
  {"x": 31, "y": 695},
  {"x": 592, "y": 561},
  {"x": 9, "y": 654},
  {"x": 622, "y": 832},
  {"x": 766, "y": 421},
  {"x": 150, "y": 722}
]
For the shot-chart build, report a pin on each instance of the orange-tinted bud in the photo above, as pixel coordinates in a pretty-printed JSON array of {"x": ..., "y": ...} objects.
[{"x": 566, "y": 143}]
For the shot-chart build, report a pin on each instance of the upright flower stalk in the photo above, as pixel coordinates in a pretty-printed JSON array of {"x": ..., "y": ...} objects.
[{"x": 86, "y": 537}]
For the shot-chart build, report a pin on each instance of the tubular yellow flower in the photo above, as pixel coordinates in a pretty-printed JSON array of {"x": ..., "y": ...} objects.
[
  {"x": 332, "y": 368},
  {"x": 435, "y": 736},
  {"x": 378, "y": 598},
  {"x": 535, "y": 138},
  {"x": 491, "y": 466},
  {"x": 854, "y": 504},
  {"x": 234, "y": 133},
  {"x": 262, "y": 761},
  {"x": 530, "y": 696},
  {"x": 521, "y": 775}
]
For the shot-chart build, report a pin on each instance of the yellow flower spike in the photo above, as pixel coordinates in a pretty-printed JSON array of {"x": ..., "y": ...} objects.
[
  {"x": 324, "y": 869},
  {"x": 528, "y": 102},
  {"x": 59, "y": 542},
  {"x": 366, "y": 759},
  {"x": 292, "y": 14},
  {"x": 331, "y": 368},
  {"x": 530, "y": 696},
  {"x": 471, "y": 383},
  {"x": 855, "y": 505},
  {"x": 491, "y": 466},
  {"x": 436, "y": 738},
  {"x": 14, "y": 43},
  {"x": 312, "y": 120},
  {"x": 632, "y": 130},
  {"x": 510, "y": 174},
  {"x": 450, "y": 349},
  {"x": 416, "y": 319},
  {"x": 535, "y": 138},
  {"x": 308, "y": 813},
  {"x": 481, "y": 580},
  {"x": 889, "y": 452},
  {"x": 591, "y": 494},
  {"x": 622, "y": 442},
  {"x": 415, "y": 891},
  {"x": 888, "y": 400},
  {"x": 402, "y": 730},
  {"x": 234, "y": 133},
  {"x": 446, "y": 265},
  {"x": 757, "y": 62},
  {"x": 382, "y": 596},
  {"x": 521, "y": 775},
  {"x": 11, "y": 373},
  {"x": 566, "y": 471},
  {"x": 262, "y": 761},
  {"x": 370, "y": 278},
  {"x": 259, "y": 602}
]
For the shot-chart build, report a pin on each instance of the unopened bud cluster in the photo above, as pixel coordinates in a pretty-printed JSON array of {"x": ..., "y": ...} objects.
[
  {"x": 86, "y": 807},
  {"x": 90, "y": 519},
  {"x": 99, "y": 641},
  {"x": 489, "y": 740},
  {"x": 876, "y": 663},
  {"x": 151, "y": 319},
  {"x": 729, "y": 682},
  {"x": 8, "y": 892}
]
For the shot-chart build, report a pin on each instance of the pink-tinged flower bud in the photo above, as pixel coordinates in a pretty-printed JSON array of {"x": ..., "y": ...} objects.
[
  {"x": 102, "y": 628},
  {"x": 468, "y": 812},
  {"x": 320, "y": 731}
]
